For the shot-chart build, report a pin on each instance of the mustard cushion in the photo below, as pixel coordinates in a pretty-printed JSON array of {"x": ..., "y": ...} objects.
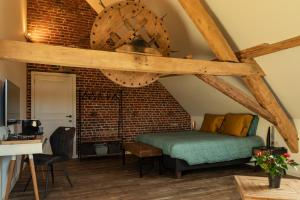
[
  {"x": 211, "y": 123},
  {"x": 236, "y": 124}
]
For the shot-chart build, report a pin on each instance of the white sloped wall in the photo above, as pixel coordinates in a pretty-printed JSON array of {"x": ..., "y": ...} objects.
[
  {"x": 12, "y": 26},
  {"x": 246, "y": 23}
]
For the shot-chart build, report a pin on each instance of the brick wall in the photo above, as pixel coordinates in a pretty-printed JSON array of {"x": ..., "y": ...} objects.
[{"x": 147, "y": 109}]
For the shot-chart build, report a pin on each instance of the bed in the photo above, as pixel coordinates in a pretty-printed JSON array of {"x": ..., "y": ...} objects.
[{"x": 193, "y": 149}]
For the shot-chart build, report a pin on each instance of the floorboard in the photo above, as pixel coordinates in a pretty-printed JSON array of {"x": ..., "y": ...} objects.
[{"x": 107, "y": 179}]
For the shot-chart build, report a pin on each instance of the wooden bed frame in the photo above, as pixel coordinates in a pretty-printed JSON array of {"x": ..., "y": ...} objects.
[{"x": 179, "y": 165}]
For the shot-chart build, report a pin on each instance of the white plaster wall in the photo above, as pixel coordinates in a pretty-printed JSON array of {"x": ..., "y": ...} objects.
[
  {"x": 12, "y": 26},
  {"x": 246, "y": 24}
]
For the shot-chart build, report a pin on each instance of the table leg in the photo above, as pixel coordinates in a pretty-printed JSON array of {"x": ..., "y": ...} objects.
[
  {"x": 22, "y": 166},
  {"x": 33, "y": 175},
  {"x": 11, "y": 169}
]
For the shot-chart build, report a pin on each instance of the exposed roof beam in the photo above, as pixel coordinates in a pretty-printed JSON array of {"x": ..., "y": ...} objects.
[
  {"x": 266, "y": 98},
  {"x": 135, "y": 62},
  {"x": 217, "y": 42},
  {"x": 264, "y": 49},
  {"x": 98, "y": 5},
  {"x": 209, "y": 29},
  {"x": 237, "y": 95},
  {"x": 95, "y": 4}
]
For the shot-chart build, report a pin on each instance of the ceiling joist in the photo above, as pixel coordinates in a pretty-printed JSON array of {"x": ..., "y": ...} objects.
[
  {"x": 209, "y": 29},
  {"x": 267, "y": 100},
  {"x": 218, "y": 44},
  {"x": 135, "y": 62},
  {"x": 266, "y": 48},
  {"x": 237, "y": 95}
]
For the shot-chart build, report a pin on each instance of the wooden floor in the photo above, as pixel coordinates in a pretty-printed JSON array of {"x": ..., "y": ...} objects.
[{"x": 107, "y": 179}]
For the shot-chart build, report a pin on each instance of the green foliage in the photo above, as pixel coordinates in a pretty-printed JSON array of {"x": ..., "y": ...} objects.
[{"x": 274, "y": 164}]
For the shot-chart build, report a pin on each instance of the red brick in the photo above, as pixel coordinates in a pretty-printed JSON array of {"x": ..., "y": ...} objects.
[{"x": 150, "y": 109}]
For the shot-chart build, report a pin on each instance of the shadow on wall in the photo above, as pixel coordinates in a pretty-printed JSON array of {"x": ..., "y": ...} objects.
[
  {"x": 179, "y": 29},
  {"x": 229, "y": 39}
]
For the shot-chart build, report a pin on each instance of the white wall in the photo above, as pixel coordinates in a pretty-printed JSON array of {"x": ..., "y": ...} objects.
[
  {"x": 246, "y": 24},
  {"x": 12, "y": 26}
]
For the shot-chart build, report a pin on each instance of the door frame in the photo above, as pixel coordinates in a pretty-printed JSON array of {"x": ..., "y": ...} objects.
[{"x": 74, "y": 102}]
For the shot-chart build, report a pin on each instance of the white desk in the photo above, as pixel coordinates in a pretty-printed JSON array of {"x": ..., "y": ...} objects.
[{"x": 21, "y": 147}]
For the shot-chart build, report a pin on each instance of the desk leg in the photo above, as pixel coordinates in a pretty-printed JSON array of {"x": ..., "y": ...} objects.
[
  {"x": 22, "y": 166},
  {"x": 11, "y": 169},
  {"x": 33, "y": 175}
]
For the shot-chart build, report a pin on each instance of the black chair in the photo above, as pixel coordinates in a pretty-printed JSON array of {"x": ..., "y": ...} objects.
[{"x": 61, "y": 142}]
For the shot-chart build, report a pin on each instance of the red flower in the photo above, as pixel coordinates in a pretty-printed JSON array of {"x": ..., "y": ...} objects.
[
  {"x": 287, "y": 155},
  {"x": 259, "y": 153}
]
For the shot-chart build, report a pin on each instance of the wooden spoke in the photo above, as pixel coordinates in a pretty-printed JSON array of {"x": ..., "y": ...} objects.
[{"x": 136, "y": 62}]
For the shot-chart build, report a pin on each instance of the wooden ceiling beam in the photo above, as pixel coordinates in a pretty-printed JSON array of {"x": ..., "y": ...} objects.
[
  {"x": 209, "y": 29},
  {"x": 135, "y": 62},
  {"x": 98, "y": 5},
  {"x": 237, "y": 95},
  {"x": 95, "y": 4},
  {"x": 267, "y": 100},
  {"x": 217, "y": 42},
  {"x": 264, "y": 49}
]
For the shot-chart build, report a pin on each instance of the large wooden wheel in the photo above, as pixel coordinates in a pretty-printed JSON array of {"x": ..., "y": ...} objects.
[{"x": 130, "y": 26}]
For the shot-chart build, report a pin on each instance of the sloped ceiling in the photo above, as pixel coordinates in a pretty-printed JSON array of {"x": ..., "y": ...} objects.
[{"x": 246, "y": 23}]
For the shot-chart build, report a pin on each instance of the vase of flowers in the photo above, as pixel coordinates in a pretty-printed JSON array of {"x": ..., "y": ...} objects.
[{"x": 274, "y": 165}]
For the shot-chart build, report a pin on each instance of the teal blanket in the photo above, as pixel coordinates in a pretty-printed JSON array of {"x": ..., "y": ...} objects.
[{"x": 199, "y": 147}]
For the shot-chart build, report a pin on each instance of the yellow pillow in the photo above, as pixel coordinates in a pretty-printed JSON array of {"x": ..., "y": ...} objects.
[
  {"x": 236, "y": 124},
  {"x": 211, "y": 123}
]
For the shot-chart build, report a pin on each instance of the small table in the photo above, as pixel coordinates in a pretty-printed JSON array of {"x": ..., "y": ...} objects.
[
  {"x": 142, "y": 150},
  {"x": 21, "y": 147},
  {"x": 257, "y": 188}
]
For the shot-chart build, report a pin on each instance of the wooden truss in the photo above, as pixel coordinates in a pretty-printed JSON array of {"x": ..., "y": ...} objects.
[
  {"x": 264, "y": 96},
  {"x": 229, "y": 63}
]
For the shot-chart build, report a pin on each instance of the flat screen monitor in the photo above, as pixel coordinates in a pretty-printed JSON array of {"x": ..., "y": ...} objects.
[
  {"x": 2, "y": 103},
  {"x": 11, "y": 103}
]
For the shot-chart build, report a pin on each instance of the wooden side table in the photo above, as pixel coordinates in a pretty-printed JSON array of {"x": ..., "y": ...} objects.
[
  {"x": 21, "y": 147},
  {"x": 257, "y": 188}
]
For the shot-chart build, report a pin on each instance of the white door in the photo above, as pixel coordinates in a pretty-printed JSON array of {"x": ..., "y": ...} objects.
[{"x": 53, "y": 102}]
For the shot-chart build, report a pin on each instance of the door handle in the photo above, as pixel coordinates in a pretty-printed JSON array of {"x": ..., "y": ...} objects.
[{"x": 69, "y": 116}]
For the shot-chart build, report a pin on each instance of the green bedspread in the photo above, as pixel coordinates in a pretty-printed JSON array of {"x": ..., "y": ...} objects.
[{"x": 199, "y": 147}]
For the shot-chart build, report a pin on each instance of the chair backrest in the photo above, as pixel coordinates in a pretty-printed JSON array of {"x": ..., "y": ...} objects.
[{"x": 61, "y": 142}]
